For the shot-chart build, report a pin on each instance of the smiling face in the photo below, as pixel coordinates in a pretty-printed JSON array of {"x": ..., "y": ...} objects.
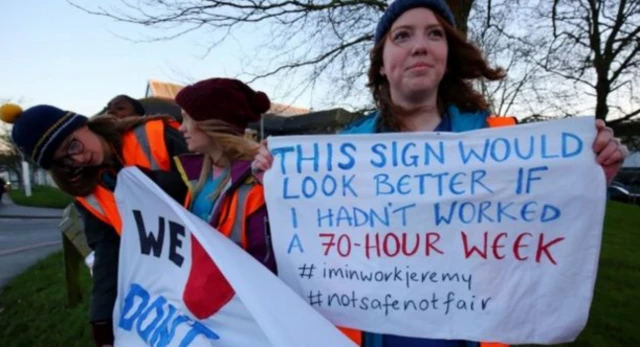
[
  {"x": 82, "y": 148},
  {"x": 197, "y": 140},
  {"x": 414, "y": 56}
]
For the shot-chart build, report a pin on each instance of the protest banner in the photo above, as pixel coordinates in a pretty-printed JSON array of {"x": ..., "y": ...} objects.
[
  {"x": 490, "y": 235},
  {"x": 168, "y": 258}
]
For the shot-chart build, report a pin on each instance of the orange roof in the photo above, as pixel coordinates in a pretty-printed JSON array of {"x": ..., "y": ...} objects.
[
  {"x": 169, "y": 90},
  {"x": 286, "y": 110},
  {"x": 163, "y": 89}
]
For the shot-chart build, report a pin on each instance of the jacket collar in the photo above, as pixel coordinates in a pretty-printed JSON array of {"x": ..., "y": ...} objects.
[{"x": 460, "y": 121}]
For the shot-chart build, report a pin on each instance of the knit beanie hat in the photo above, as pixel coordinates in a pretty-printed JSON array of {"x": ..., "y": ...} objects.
[
  {"x": 40, "y": 130},
  {"x": 399, "y": 7},
  {"x": 225, "y": 99}
]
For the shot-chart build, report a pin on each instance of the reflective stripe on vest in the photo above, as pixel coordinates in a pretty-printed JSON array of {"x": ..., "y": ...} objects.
[
  {"x": 91, "y": 203},
  {"x": 143, "y": 146},
  {"x": 103, "y": 206},
  {"x": 244, "y": 201},
  {"x": 233, "y": 215}
]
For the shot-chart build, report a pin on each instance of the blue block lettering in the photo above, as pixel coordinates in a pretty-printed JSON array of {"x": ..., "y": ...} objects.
[
  {"x": 502, "y": 212},
  {"x": 520, "y": 153},
  {"x": 527, "y": 211},
  {"x": 198, "y": 329},
  {"x": 346, "y": 186},
  {"x": 453, "y": 182},
  {"x": 382, "y": 186},
  {"x": 549, "y": 213},
  {"x": 476, "y": 177},
  {"x": 409, "y": 160},
  {"x": 466, "y": 154},
  {"x": 468, "y": 217},
  {"x": 506, "y": 150},
  {"x": 430, "y": 152},
  {"x": 163, "y": 329},
  {"x": 309, "y": 187},
  {"x": 440, "y": 217},
  {"x": 345, "y": 149},
  {"x": 135, "y": 291},
  {"x": 295, "y": 242},
  {"x": 315, "y": 158},
  {"x": 378, "y": 149},
  {"x": 566, "y": 137},
  {"x": 156, "y": 308},
  {"x": 285, "y": 190},
  {"x": 282, "y": 151},
  {"x": 294, "y": 218}
]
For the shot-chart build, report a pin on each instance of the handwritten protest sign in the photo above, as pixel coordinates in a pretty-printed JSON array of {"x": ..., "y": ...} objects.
[
  {"x": 165, "y": 262},
  {"x": 491, "y": 235}
]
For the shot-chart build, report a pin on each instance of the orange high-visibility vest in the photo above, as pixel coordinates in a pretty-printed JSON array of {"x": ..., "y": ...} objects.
[
  {"x": 244, "y": 201},
  {"x": 143, "y": 146},
  {"x": 496, "y": 122}
]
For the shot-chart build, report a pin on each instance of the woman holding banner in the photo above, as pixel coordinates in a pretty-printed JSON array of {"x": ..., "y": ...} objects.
[
  {"x": 222, "y": 189},
  {"x": 420, "y": 77},
  {"x": 84, "y": 157}
]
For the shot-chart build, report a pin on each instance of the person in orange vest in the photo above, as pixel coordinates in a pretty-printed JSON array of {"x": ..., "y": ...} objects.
[
  {"x": 420, "y": 76},
  {"x": 218, "y": 173},
  {"x": 223, "y": 191},
  {"x": 83, "y": 157}
]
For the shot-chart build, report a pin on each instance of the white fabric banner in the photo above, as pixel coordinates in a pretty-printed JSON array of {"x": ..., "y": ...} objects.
[
  {"x": 490, "y": 235},
  {"x": 165, "y": 270}
]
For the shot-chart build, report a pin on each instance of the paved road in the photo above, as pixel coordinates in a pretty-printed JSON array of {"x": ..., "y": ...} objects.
[
  {"x": 23, "y": 242},
  {"x": 10, "y": 210}
]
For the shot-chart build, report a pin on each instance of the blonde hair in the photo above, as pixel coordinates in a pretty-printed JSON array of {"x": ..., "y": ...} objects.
[{"x": 232, "y": 144}]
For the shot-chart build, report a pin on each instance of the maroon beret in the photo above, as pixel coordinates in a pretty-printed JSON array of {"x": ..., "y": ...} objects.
[{"x": 226, "y": 99}]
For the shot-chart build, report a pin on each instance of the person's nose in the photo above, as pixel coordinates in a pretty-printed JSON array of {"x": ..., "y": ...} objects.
[
  {"x": 420, "y": 46},
  {"x": 79, "y": 158}
]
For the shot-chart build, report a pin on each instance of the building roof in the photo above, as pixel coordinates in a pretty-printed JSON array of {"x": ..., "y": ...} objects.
[
  {"x": 160, "y": 105},
  {"x": 169, "y": 90},
  {"x": 314, "y": 122},
  {"x": 287, "y": 110},
  {"x": 162, "y": 89}
]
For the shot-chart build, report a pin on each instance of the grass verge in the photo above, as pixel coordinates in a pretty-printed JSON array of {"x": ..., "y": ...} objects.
[
  {"x": 34, "y": 311},
  {"x": 42, "y": 196}
]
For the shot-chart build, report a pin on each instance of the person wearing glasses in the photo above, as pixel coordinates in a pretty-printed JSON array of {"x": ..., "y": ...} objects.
[{"x": 84, "y": 157}]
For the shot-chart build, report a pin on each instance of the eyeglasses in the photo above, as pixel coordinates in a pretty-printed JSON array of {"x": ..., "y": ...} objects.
[{"x": 74, "y": 147}]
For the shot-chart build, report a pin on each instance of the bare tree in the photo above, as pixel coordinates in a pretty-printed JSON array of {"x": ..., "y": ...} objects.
[
  {"x": 489, "y": 24},
  {"x": 592, "y": 46},
  {"x": 10, "y": 157},
  {"x": 311, "y": 41}
]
